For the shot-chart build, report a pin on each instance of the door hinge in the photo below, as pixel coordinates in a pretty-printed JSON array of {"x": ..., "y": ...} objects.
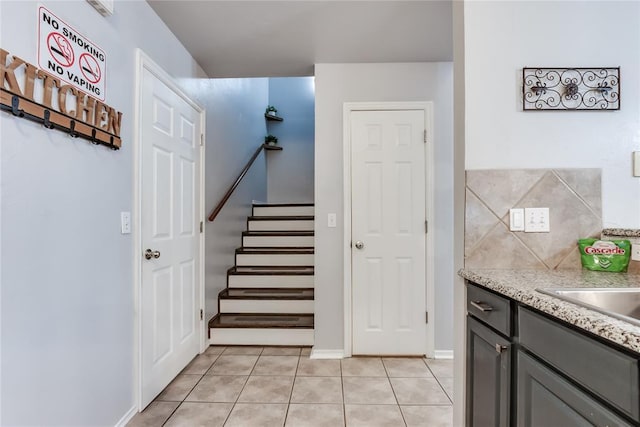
[
  {"x": 201, "y": 226},
  {"x": 202, "y": 139},
  {"x": 426, "y": 227},
  {"x": 426, "y": 317},
  {"x": 201, "y": 315},
  {"x": 425, "y": 136}
]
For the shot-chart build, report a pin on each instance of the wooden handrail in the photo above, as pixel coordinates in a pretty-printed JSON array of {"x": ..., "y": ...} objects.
[{"x": 227, "y": 195}]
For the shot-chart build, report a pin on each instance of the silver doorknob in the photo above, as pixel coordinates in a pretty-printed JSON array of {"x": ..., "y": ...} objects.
[
  {"x": 359, "y": 245},
  {"x": 148, "y": 254}
]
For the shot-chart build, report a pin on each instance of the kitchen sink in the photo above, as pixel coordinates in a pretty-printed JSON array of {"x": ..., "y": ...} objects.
[{"x": 622, "y": 303}]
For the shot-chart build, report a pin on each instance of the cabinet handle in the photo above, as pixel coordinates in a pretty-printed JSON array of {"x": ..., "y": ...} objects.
[
  {"x": 482, "y": 306},
  {"x": 500, "y": 348}
]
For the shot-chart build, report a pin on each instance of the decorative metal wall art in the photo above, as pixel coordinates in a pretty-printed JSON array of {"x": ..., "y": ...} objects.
[{"x": 594, "y": 89}]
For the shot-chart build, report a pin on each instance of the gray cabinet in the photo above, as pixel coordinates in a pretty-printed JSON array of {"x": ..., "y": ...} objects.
[
  {"x": 546, "y": 399},
  {"x": 488, "y": 376},
  {"x": 489, "y": 353}
]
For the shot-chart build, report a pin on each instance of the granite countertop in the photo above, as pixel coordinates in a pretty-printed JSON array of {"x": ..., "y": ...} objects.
[
  {"x": 521, "y": 285},
  {"x": 622, "y": 232}
]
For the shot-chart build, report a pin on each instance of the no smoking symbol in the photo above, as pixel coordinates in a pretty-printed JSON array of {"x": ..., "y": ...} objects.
[
  {"x": 90, "y": 68},
  {"x": 60, "y": 49}
]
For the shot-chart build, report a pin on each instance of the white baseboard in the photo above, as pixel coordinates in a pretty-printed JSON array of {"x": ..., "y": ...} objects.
[
  {"x": 326, "y": 354},
  {"x": 443, "y": 354},
  {"x": 127, "y": 417}
]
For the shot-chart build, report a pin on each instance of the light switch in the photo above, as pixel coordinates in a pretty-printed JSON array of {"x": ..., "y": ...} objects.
[
  {"x": 331, "y": 220},
  {"x": 125, "y": 222},
  {"x": 516, "y": 219},
  {"x": 536, "y": 220}
]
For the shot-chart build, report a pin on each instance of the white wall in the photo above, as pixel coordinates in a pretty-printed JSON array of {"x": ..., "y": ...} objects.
[
  {"x": 290, "y": 172},
  {"x": 67, "y": 308},
  {"x": 340, "y": 83},
  {"x": 503, "y": 37},
  {"x": 235, "y": 129}
]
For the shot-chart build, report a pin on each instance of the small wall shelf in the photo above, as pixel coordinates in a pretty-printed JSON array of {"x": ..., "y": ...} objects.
[
  {"x": 275, "y": 118},
  {"x": 272, "y": 147}
]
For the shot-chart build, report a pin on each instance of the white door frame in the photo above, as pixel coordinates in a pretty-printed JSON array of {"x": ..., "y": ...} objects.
[
  {"x": 348, "y": 108},
  {"x": 144, "y": 62}
]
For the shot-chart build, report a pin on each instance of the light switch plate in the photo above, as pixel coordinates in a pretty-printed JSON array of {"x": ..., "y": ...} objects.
[
  {"x": 125, "y": 222},
  {"x": 516, "y": 219},
  {"x": 331, "y": 220},
  {"x": 536, "y": 220},
  {"x": 636, "y": 163}
]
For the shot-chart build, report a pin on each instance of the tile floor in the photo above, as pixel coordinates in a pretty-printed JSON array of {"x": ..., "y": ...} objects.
[{"x": 278, "y": 386}]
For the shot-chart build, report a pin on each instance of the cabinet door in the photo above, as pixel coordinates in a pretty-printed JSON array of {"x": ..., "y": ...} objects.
[
  {"x": 488, "y": 376},
  {"x": 545, "y": 399}
]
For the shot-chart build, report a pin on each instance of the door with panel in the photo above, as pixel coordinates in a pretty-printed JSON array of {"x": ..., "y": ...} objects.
[
  {"x": 388, "y": 212},
  {"x": 170, "y": 214}
]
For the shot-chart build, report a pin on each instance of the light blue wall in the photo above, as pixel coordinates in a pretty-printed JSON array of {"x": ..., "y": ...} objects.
[
  {"x": 67, "y": 342},
  {"x": 235, "y": 128},
  {"x": 290, "y": 172}
]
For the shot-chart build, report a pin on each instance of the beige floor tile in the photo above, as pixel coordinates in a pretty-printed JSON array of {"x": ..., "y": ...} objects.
[
  {"x": 373, "y": 416},
  {"x": 154, "y": 415},
  {"x": 406, "y": 367},
  {"x": 266, "y": 389},
  {"x": 191, "y": 414},
  {"x": 281, "y": 351},
  {"x": 233, "y": 365},
  {"x": 306, "y": 351},
  {"x": 179, "y": 388},
  {"x": 276, "y": 365},
  {"x": 366, "y": 390},
  {"x": 363, "y": 367},
  {"x": 447, "y": 385},
  {"x": 217, "y": 388},
  {"x": 432, "y": 416},
  {"x": 314, "y": 415},
  {"x": 419, "y": 391},
  {"x": 441, "y": 368},
  {"x": 242, "y": 350},
  {"x": 318, "y": 368},
  {"x": 215, "y": 349},
  {"x": 257, "y": 415},
  {"x": 317, "y": 390},
  {"x": 200, "y": 364}
]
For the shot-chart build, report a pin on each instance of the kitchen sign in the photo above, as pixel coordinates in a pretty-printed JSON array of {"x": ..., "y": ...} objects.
[{"x": 70, "y": 56}]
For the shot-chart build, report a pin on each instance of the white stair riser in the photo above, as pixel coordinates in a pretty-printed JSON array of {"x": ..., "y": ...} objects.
[
  {"x": 261, "y": 336},
  {"x": 277, "y": 241},
  {"x": 282, "y": 210},
  {"x": 266, "y": 306},
  {"x": 274, "y": 259},
  {"x": 282, "y": 225},
  {"x": 270, "y": 281}
]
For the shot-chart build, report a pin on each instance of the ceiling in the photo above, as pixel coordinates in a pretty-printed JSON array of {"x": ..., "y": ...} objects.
[{"x": 285, "y": 38}]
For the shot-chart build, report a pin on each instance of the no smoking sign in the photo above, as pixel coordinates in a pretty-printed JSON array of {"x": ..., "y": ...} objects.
[{"x": 70, "y": 56}]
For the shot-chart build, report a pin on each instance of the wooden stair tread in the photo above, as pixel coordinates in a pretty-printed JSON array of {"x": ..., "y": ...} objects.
[
  {"x": 282, "y": 218},
  {"x": 271, "y": 270},
  {"x": 266, "y": 294},
  {"x": 260, "y": 233},
  {"x": 276, "y": 250},
  {"x": 229, "y": 320},
  {"x": 266, "y": 205}
]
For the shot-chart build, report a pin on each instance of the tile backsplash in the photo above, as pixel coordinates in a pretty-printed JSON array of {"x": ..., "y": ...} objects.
[{"x": 573, "y": 197}]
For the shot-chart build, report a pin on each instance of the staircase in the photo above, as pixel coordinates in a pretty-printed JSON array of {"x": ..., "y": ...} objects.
[{"x": 269, "y": 295}]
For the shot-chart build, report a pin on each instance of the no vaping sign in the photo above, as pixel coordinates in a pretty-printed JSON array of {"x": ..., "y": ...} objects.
[{"x": 70, "y": 56}]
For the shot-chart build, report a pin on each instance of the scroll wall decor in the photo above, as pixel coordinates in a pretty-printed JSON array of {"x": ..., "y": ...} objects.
[
  {"x": 36, "y": 95},
  {"x": 593, "y": 89}
]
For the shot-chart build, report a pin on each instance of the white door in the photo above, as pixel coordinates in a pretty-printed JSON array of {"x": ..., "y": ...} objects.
[
  {"x": 388, "y": 232},
  {"x": 170, "y": 206}
]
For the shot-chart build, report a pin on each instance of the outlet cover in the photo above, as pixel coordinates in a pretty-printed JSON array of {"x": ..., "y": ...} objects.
[
  {"x": 635, "y": 252},
  {"x": 536, "y": 220}
]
